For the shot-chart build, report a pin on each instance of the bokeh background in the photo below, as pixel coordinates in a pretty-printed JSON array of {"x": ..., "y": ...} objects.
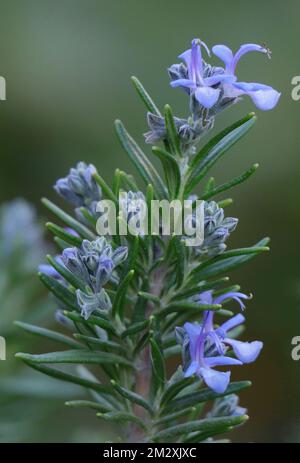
[{"x": 68, "y": 64}]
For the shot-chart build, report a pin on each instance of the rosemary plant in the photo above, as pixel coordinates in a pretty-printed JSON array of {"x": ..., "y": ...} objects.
[{"x": 142, "y": 316}]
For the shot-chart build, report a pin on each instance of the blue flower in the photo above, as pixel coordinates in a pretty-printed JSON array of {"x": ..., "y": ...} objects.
[
  {"x": 79, "y": 187},
  {"x": 94, "y": 263},
  {"x": 263, "y": 96},
  {"x": 208, "y": 346},
  {"x": 201, "y": 87}
]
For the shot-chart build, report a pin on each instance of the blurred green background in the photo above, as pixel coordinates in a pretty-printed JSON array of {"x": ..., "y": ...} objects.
[{"x": 67, "y": 65}]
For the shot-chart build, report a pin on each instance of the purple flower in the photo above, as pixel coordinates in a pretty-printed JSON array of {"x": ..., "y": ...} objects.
[
  {"x": 263, "y": 96},
  {"x": 208, "y": 346},
  {"x": 202, "y": 87}
]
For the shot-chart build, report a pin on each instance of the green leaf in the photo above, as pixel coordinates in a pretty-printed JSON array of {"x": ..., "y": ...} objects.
[
  {"x": 216, "y": 148},
  {"x": 119, "y": 417},
  {"x": 60, "y": 291},
  {"x": 81, "y": 229},
  {"x": 225, "y": 202},
  {"x": 135, "y": 328},
  {"x": 219, "y": 266},
  {"x": 204, "y": 395},
  {"x": 87, "y": 404},
  {"x": 58, "y": 374},
  {"x": 205, "y": 425},
  {"x": 140, "y": 160},
  {"x": 172, "y": 417},
  {"x": 111, "y": 346},
  {"x": 132, "y": 396},
  {"x": 150, "y": 105},
  {"x": 226, "y": 186},
  {"x": 93, "y": 320},
  {"x": 119, "y": 301},
  {"x": 63, "y": 234},
  {"x": 66, "y": 274},
  {"x": 179, "y": 248},
  {"x": 75, "y": 356},
  {"x": 49, "y": 334},
  {"x": 132, "y": 257},
  {"x": 158, "y": 361},
  {"x": 128, "y": 181},
  {"x": 171, "y": 170},
  {"x": 173, "y": 389},
  {"x": 172, "y": 133},
  {"x": 185, "y": 305},
  {"x": 105, "y": 188}
]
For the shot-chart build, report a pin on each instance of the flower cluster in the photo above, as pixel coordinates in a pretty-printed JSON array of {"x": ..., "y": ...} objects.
[
  {"x": 93, "y": 263},
  {"x": 211, "y": 90},
  {"x": 79, "y": 187},
  {"x": 206, "y": 345}
]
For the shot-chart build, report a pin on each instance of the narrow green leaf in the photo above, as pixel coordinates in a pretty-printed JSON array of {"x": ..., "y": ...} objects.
[
  {"x": 119, "y": 301},
  {"x": 132, "y": 257},
  {"x": 220, "y": 266},
  {"x": 66, "y": 274},
  {"x": 226, "y": 186},
  {"x": 59, "y": 291},
  {"x": 216, "y": 148},
  {"x": 204, "y": 395},
  {"x": 171, "y": 170},
  {"x": 119, "y": 417},
  {"x": 128, "y": 181},
  {"x": 86, "y": 404},
  {"x": 75, "y": 356},
  {"x": 58, "y": 374},
  {"x": 109, "y": 345},
  {"x": 179, "y": 248},
  {"x": 49, "y": 334},
  {"x": 158, "y": 361},
  {"x": 93, "y": 320},
  {"x": 172, "y": 417},
  {"x": 135, "y": 328},
  {"x": 173, "y": 389},
  {"x": 150, "y": 105},
  {"x": 205, "y": 425},
  {"x": 132, "y": 396},
  {"x": 63, "y": 234},
  {"x": 172, "y": 133},
  {"x": 81, "y": 229},
  {"x": 210, "y": 185},
  {"x": 184, "y": 305},
  {"x": 149, "y": 297},
  {"x": 105, "y": 188},
  {"x": 225, "y": 202},
  {"x": 140, "y": 160}
]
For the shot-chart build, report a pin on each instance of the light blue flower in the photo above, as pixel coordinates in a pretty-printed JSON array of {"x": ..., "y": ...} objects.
[
  {"x": 263, "y": 96},
  {"x": 203, "y": 88},
  {"x": 208, "y": 346}
]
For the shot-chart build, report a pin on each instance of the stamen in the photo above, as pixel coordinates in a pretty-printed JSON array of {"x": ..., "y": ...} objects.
[{"x": 267, "y": 50}]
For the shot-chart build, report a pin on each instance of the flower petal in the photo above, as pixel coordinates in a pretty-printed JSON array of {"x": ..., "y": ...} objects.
[
  {"x": 216, "y": 380},
  {"x": 233, "y": 322},
  {"x": 207, "y": 96},
  {"x": 232, "y": 295},
  {"x": 193, "y": 331},
  {"x": 224, "y": 53},
  {"x": 192, "y": 369},
  {"x": 222, "y": 360},
  {"x": 263, "y": 96},
  {"x": 247, "y": 352},
  {"x": 182, "y": 83}
]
